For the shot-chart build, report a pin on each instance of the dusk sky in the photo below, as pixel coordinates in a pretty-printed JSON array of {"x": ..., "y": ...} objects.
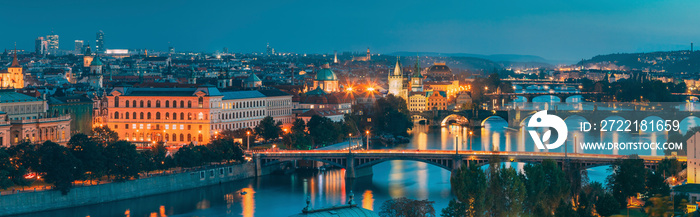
[{"x": 556, "y": 30}]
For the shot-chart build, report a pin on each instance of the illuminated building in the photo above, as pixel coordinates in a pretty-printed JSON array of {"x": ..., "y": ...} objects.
[
  {"x": 451, "y": 88},
  {"x": 13, "y": 78},
  {"x": 253, "y": 81},
  {"x": 319, "y": 99},
  {"x": 439, "y": 70},
  {"x": 326, "y": 80},
  {"x": 417, "y": 79},
  {"x": 100, "y": 42},
  {"x": 95, "y": 77},
  {"x": 87, "y": 57},
  {"x": 416, "y": 102},
  {"x": 41, "y": 46},
  {"x": 367, "y": 57},
  {"x": 52, "y": 41},
  {"x": 78, "y": 47},
  {"x": 23, "y": 117},
  {"x": 180, "y": 116},
  {"x": 396, "y": 82},
  {"x": 436, "y": 100}
]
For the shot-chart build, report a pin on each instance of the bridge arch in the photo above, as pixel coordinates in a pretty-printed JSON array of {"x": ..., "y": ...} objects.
[
  {"x": 444, "y": 164},
  {"x": 456, "y": 117},
  {"x": 548, "y": 98},
  {"x": 574, "y": 98},
  {"x": 493, "y": 118}
]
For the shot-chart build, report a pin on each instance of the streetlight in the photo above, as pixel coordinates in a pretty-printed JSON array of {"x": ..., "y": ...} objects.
[
  {"x": 367, "y": 139},
  {"x": 350, "y": 143},
  {"x": 470, "y": 140},
  {"x": 248, "y": 143}
]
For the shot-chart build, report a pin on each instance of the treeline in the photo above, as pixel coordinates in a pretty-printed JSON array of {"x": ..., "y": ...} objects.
[
  {"x": 546, "y": 190},
  {"x": 635, "y": 89},
  {"x": 102, "y": 157}
]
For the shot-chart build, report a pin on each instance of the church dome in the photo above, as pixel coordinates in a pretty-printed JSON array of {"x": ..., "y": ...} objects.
[
  {"x": 96, "y": 62},
  {"x": 439, "y": 69},
  {"x": 326, "y": 74}
]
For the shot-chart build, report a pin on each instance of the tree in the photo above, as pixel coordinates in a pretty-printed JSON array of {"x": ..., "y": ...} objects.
[
  {"x": 669, "y": 167},
  {"x": 565, "y": 209},
  {"x": 59, "y": 166},
  {"x": 624, "y": 182},
  {"x": 656, "y": 185},
  {"x": 123, "y": 160},
  {"x": 90, "y": 153},
  {"x": 456, "y": 209},
  {"x": 390, "y": 115},
  {"x": 323, "y": 130},
  {"x": 469, "y": 185},
  {"x": 105, "y": 135},
  {"x": 241, "y": 133},
  {"x": 512, "y": 195},
  {"x": 6, "y": 169},
  {"x": 186, "y": 156},
  {"x": 607, "y": 205},
  {"x": 404, "y": 207},
  {"x": 226, "y": 149},
  {"x": 298, "y": 137},
  {"x": 268, "y": 129},
  {"x": 546, "y": 186},
  {"x": 661, "y": 206},
  {"x": 25, "y": 153},
  {"x": 588, "y": 196}
]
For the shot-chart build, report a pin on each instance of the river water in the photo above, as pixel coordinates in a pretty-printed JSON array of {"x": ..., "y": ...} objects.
[{"x": 284, "y": 195}]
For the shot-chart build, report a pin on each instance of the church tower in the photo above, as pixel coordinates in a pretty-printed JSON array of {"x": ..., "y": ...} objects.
[
  {"x": 396, "y": 80},
  {"x": 14, "y": 77},
  {"x": 369, "y": 57},
  {"x": 417, "y": 79}
]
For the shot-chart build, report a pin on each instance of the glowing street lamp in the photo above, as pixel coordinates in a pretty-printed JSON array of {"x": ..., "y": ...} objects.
[
  {"x": 248, "y": 143},
  {"x": 367, "y": 132},
  {"x": 370, "y": 89},
  {"x": 349, "y": 89}
]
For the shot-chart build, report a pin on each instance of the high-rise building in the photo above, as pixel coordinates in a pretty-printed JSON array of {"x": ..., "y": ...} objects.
[
  {"x": 78, "y": 47},
  {"x": 40, "y": 45},
  {"x": 100, "y": 42},
  {"x": 171, "y": 50},
  {"x": 270, "y": 50},
  {"x": 52, "y": 41}
]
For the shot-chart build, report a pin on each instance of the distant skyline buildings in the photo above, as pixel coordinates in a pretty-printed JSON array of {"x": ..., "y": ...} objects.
[
  {"x": 78, "y": 46},
  {"x": 52, "y": 41},
  {"x": 100, "y": 42}
]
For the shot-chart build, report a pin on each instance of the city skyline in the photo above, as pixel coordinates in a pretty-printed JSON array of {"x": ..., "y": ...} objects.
[{"x": 555, "y": 31}]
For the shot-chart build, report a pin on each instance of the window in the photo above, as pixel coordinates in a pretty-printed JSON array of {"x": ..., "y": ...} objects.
[
  {"x": 157, "y": 115},
  {"x": 182, "y": 116},
  {"x": 127, "y": 103},
  {"x": 116, "y": 102},
  {"x": 133, "y": 126},
  {"x": 189, "y": 127},
  {"x": 200, "y": 127},
  {"x": 141, "y": 127},
  {"x": 134, "y": 115},
  {"x": 167, "y": 115},
  {"x": 174, "y": 104},
  {"x": 141, "y": 116},
  {"x": 189, "y": 104},
  {"x": 182, "y": 126},
  {"x": 141, "y": 103},
  {"x": 148, "y": 126},
  {"x": 200, "y": 139},
  {"x": 133, "y": 103},
  {"x": 116, "y": 115},
  {"x": 115, "y": 127},
  {"x": 201, "y": 102},
  {"x": 189, "y": 137},
  {"x": 148, "y": 116},
  {"x": 174, "y": 137},
  {"x": 182, "y": 137},
  {"x": 167, "y": 127},
  {"x": 174, "y": 116},
  {"x": 182, "y": 104},
  {"x": 157, "y": 103},
  {"x": 189, "y": 116},
  {"x": 149, "y": 103},
  {"x": 200, "y": 116},
  {"x": 126, "y": 126},
  {"x": 167, "y": 105}
]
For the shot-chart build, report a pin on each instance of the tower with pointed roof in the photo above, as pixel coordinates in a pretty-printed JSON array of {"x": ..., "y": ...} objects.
[
  {"x": 14, "y": 77},
  {"x": 396, "y": 82},
  {"x": 417, "y": 78},
  {"x": 87, "y": 57}
]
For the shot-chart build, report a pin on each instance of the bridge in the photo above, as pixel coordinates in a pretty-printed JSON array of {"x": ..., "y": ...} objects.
[
  {"x": 529, "y": 96},
  {"x": 359, "y": 162}
]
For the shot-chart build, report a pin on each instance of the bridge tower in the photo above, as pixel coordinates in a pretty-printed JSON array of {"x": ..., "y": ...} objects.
[{"x": 395, "y": 80}]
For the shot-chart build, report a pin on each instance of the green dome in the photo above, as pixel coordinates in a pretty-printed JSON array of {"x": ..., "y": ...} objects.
[
  {"x": 96, "y": 62},
  {"x": 326, "y": 75}
]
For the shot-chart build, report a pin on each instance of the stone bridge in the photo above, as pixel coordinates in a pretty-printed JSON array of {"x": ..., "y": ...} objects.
[{"x": 359, "y": 163}]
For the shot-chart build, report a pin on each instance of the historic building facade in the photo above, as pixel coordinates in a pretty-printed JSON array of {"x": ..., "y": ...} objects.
[{"x": 25, "y": 118}]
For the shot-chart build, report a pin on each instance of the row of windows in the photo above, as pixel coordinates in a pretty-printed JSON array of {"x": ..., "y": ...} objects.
[
  {"x": 244, "y": 114},
  {"x": 148, "y": 103},
  {"x": 168, "y": 137},
  {"x": 279, "y": 112},
  {"x": 245, "y": 104},
  {"x": 157, "y": 126},
  {"x": 275, "y": 103},
  {"x": 200, "y": 116}
]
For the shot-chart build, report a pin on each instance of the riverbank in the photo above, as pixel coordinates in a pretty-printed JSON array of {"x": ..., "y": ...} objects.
[{"x": 29, "y": 202}]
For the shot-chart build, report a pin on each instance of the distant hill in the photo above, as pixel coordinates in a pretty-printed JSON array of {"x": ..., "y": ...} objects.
[
  {"x": 668, "y": 61},
  {"x": 494, "y": 57}
]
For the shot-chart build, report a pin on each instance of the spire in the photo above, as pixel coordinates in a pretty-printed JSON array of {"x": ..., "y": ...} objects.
[
  {"x": 416, "y": 71},
  {"x": 15, "y": 63},
  {"x": 397, "y": 69}
]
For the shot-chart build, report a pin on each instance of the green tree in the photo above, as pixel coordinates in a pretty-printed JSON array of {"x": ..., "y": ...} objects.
[
  {"x": 607, "y": 205},
  {"x": 59, "y": 166},
  {"x": 656, "y": 185},
  {"x": 565, "y": 209},
  {"x": 456, "y": 209},
  {"x": 546, "y": 186},
  {"x": 469, "y": 185},
  {"x": 6, "y": 169},
  {"x": 588, "y": 196},
  {"x": 323, "y": 130},
  {"x": 298, "y": 137},
  {"x": 226, "y": 149},
  {"x": 404, "y": 207},
  {"x": 624, "y": 182},
  {"x": 241, "y": 133},
  {"x": 25, "y": 154},
  {"x": 268, "y": 129},
  {"x": 123, "y": 160},
  {"x": 390, "y": 115},
  {"x": 90, "y": 153},
  {"x": 661, "y": 206},
  {"x": 669, "y": 167},
  {"x": 186, "y": 156},
  {"x": 105, "y": 135}
]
